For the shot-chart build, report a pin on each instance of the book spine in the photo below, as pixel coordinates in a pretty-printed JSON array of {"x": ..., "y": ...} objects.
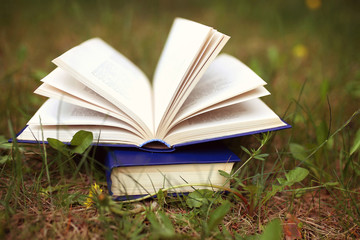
[{"x": 155, "y": 141}]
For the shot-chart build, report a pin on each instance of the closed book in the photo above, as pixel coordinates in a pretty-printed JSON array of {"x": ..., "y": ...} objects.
[{"x": 134, "y": 173}]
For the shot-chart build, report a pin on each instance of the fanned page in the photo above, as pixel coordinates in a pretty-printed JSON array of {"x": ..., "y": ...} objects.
[
  {"x": 242, "y": 118},
  {"x": 104, "y": 70},
  {"x": 203, "y": 60},
  {"x": 64, "y": 82},
  {"x": 56, "y": 112},
  {"x": 103, "y": 135},
  {"x": 186, "y": 42},
  {"x": 61, "y": 120},
  {"x": 61, "y": 85},
  {"x": 227, "y": 81}
]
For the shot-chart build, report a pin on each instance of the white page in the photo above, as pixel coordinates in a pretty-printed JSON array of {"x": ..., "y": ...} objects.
[
  {"x": 61, "y": 85},
  {"x": 101, "y": 134},
  {"x": 55, "y": 112},
  {"x": 255, "y": 93},
  {"x": 111, "y": 75},
  {"x": 208, "y": 54},
  {"x": 225, "y": 78},
  {"x": 252, "y": 115},
  {"x": 48, "y": 91},
  {"x": 63, "y": 81},
  {"x": 184, "y": 42}
]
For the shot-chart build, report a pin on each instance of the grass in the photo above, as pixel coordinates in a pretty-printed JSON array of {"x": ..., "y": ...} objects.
[{"x": 307, "y": 187}]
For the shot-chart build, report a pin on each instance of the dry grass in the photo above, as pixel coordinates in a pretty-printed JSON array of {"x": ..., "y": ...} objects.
[
  {"x": 316, "y": 91},
  {"x": 316, "y": 214}
]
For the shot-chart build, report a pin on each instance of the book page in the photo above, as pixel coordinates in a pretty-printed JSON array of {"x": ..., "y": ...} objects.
[
  {"x": 104, "y": 70},
  {"x": 127, "y": 181},
  {"x": 48, "y": 91},
  {"x": 225, "y": 78},
  {"x": 204, "y": 59},
  {"x": 101, "y": 134},
  {"x": 252, "y": 94},
  {"x": 63, "y": 81},
  {"x": 51, "y": 92},
  {"x": 55, "y": 112},
  {"x": 61, "y": 85},
  {"x": 252, "y": 115},
  {"x": 185, "y": 41}
]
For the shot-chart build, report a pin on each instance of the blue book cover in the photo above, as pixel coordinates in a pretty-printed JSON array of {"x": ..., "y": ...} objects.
[{"x": 207, "y": 153}]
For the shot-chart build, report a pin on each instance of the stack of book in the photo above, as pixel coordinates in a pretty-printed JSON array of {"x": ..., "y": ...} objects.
[{"x": 196, "y": 96}]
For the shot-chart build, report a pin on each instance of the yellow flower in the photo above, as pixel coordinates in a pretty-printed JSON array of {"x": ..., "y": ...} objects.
[
  {"x": 300, "y": 51},
  {"x": 95, "y": 190},
  {"x": 313, "y": 4}
]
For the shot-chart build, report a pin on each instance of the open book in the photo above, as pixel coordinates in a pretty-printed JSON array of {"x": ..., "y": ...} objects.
[{"x": 196, "y": 95}]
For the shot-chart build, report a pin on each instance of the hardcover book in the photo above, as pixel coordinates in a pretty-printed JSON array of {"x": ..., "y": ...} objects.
[
  {"x": 132, "y": 173},
  {"x": 196, "y": 95}
]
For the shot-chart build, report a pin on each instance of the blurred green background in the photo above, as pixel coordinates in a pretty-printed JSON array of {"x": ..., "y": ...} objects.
[{"x": 306, "y": 50}]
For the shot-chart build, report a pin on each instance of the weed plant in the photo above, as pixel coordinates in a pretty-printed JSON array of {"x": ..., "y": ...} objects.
[{"x": 301, "y": 183}]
